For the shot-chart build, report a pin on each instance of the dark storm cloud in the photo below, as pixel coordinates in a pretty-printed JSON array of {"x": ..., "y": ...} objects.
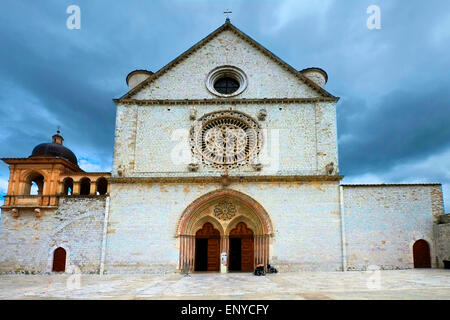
[
  {"x": 402, "y": 127},
  {"x": 393, "y": 82}
]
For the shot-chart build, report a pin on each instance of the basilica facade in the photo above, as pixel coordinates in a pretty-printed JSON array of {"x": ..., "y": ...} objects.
[{"x": 225, "y": 151}]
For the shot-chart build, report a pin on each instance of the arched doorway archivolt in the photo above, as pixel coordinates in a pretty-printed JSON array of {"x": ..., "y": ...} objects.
[
  {"x": 224, "y": 209},
  {"x": 199, "y": 224},
  {"x": 190, "y": 214}
]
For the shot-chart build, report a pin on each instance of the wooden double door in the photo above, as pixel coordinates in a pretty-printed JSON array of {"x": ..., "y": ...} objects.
[
  {"x": 207, "y": 248},
  {"x": 241, "y": 249},
  {"x": 241, "y": 253}
]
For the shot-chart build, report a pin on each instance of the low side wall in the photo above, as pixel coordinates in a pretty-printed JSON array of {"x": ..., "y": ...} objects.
[
  {"x": 27, "y": 243},
  {"x": 382, "y": 223}
]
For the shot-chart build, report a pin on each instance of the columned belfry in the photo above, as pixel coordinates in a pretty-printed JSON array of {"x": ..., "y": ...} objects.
[{"x": 51, "y": 171}]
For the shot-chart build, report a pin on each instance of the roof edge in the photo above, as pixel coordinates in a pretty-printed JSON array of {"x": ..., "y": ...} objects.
[
  {"x": 392, "y": 184},
  {"x": 40, "y": 159}
]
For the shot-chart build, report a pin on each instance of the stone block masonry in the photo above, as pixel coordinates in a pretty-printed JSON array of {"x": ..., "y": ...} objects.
[
  {"x": 28, "y": 242},
  {"x": 383, "y": 222}
]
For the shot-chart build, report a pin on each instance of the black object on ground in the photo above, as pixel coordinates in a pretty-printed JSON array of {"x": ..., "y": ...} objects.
[
  {"x": 446, "y": 264},
  {"x": 271, "y": 269},
  {"x": 259, "y": 271}
]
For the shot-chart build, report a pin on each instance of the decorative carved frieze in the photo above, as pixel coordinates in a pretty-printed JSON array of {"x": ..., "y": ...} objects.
[
  {"x": 193, "y": 113},
  {"x": 329, "y": 168},
  {"x": 37, "y": 213},
  {"x": 257, "y": 166},
  {"x": 262, "y": 114},
  {"x": 224, "y": 210},
  {"x": 15, "y": 213},
  {"x": 193, "y": 167}
]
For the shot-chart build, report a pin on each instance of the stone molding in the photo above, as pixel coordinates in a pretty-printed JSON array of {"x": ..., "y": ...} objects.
[
  {"x": 222, "y": 101},
  {"x": 218, "y": 179}
]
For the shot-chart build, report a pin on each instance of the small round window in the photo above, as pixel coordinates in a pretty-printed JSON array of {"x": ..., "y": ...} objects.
[
  {"x": 226, "y": 85},
  {"x": 226, "y": 81}
]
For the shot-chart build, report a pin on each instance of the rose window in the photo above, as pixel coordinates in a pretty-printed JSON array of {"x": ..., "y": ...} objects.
[{"x": 226, "y": 139}]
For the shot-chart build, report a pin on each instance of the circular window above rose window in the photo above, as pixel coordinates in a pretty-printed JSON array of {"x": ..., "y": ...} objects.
[{"x": 226, "y": 81}]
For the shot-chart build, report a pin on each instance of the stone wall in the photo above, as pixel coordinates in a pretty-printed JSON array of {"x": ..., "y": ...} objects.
[
  {"x": 27, "y": 243},
  {"x": 299, "y": 138},
  {"x": 442, "y": 238},
  {"x": 382, "y": 222},
  {"x": 143, "y": 219}
]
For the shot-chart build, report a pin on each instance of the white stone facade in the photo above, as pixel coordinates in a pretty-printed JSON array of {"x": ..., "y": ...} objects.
[
  {"x": 302, "y": 219},
  {"x": 143, "y": 220},
  {"x": 299, "y": 139}
]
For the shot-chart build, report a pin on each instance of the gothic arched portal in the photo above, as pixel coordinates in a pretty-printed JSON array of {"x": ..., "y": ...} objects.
[{"x": 237, "y": 220}]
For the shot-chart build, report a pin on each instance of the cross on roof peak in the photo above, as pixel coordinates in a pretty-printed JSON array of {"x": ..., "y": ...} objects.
[{"x": 227, "y": 14}]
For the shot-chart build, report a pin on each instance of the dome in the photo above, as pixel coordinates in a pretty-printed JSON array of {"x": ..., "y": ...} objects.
[{"x": 55, "y": 149}]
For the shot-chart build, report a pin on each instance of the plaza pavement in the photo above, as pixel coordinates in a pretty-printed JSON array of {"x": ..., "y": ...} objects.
[{"x": 398, "y": 284}]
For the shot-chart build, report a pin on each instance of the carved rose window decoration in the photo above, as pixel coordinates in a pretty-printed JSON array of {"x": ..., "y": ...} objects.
[
  {"x": 224, "y": 210},
  {"x": 226, "y": 139}
]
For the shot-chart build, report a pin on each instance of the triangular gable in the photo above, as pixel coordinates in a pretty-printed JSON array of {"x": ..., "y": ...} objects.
[{"x": 227, "y": 26}]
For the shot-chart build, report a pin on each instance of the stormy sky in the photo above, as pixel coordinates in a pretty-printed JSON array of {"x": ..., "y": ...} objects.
[{"x": 394, "y": 82}]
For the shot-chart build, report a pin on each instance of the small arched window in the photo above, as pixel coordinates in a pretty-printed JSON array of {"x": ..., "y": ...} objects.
[
  {"x": 68, "y": 186},
  {"x": 85, "y": 186},
  {"x": 34, "y": 184},
  {"x": 102, "y": 186}
]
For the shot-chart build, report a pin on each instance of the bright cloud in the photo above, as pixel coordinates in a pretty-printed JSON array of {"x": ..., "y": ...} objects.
[
  {"x": 292, "y": 10},
  {"x": 92, "y": 165}
]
